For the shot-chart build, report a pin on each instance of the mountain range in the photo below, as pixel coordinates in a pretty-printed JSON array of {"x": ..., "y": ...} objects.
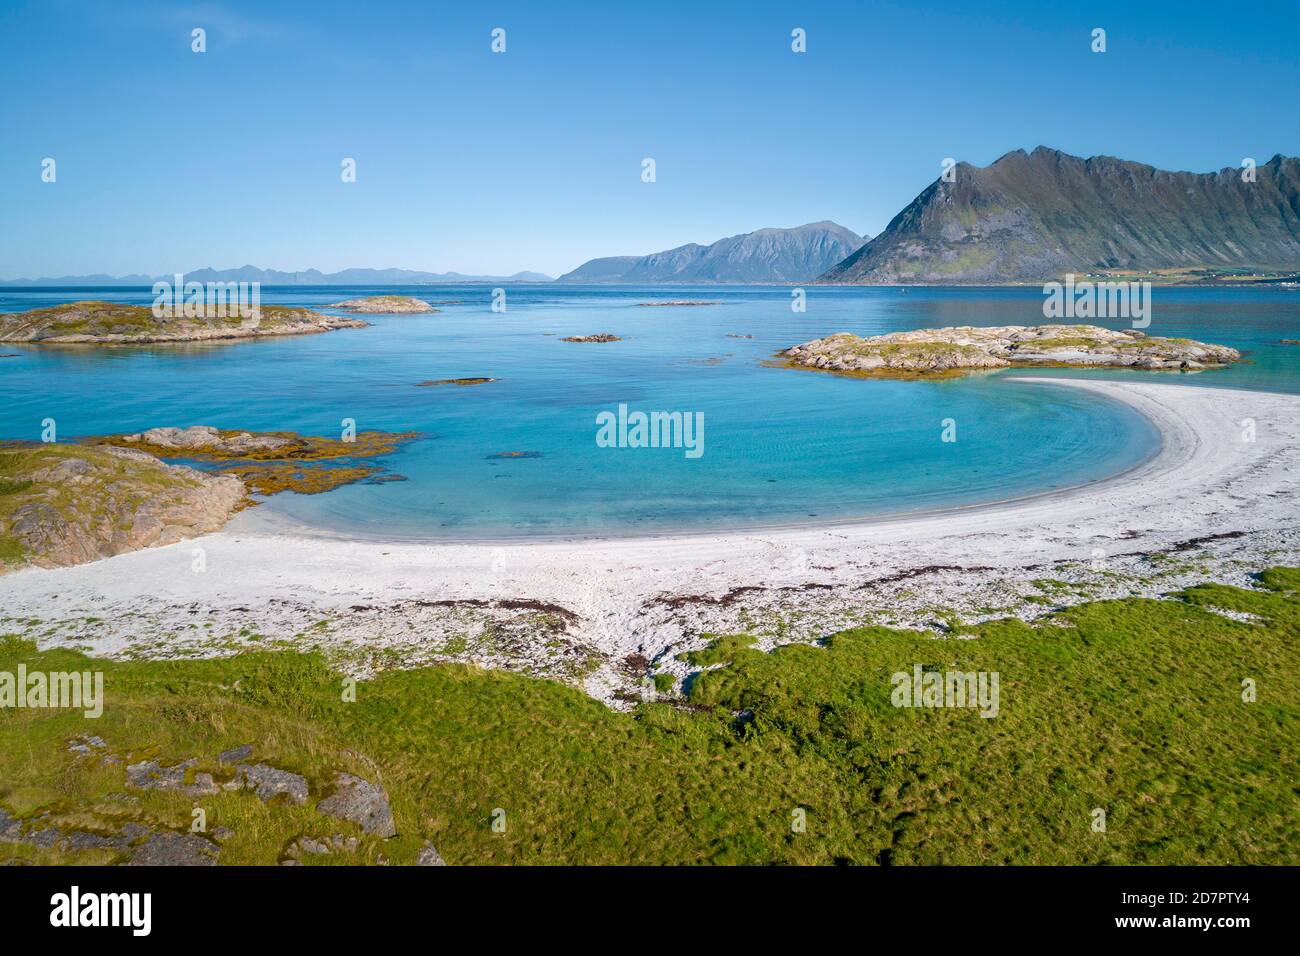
[
  {"x": 765, "y": 255},
  {"x": 276, "y": 277},
  {"x": 1034, "y": 216},
  {"x": 1027, "y": 217}
]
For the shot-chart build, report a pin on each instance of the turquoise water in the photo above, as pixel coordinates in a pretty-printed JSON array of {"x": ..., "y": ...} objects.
[{"x": 780, "y": 445}]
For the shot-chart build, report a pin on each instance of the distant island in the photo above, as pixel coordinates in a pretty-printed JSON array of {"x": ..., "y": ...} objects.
[
  {"x": 276, "y": 277},
  {"x": 384, "y": 305},
  {"x": 678, "y": 303},
  {"x": 766, "y": 255},
  {"x": 114, "y": 323},
  {"x": 957, "y": 350},
  {"x": 1031, "y": 217}
]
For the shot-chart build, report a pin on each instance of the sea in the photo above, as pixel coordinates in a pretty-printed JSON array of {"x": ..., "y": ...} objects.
[{"x": 523, "y": 456}]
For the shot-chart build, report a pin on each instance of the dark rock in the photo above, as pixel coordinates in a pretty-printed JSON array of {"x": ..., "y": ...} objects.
[
  {"x": 428, "y": 856},
  {"x": 270, "y": 782},
  {"x": 151, "y": 775},
  {"x": 175, "y": 849},
  {"x": 344, "y": 844},
  {"x": 308, "y": 845},
  {"x": 11, "y": 830},
  {"x": 361, "y": 802},
  {"x": 85, "y": 745},
  {"x": 236, "y": 754}
]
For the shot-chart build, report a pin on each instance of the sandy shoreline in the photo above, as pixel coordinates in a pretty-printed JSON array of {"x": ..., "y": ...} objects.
[{"x": 578, "y": 609}]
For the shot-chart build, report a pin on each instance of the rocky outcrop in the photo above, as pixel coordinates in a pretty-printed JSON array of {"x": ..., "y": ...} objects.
[
  {"x": 939, "y": 351},
  {"x": 361, "y": 802},
  {"x": 600, "y": 337},
  {"x": 167, "y": 848},
  {"x": 384, "y": 305},
  {"x": 145, "y": 846},
  {"x": 152, "y": 775},
  {"x": 429, "y": 856},
  {"x": 62, "y": 505},
  {"x": 113, "y": 323},
  {"x": 270, "y": 782},
  {"x": 205, "y": 438},
  {"x": 73, "y": 829}
]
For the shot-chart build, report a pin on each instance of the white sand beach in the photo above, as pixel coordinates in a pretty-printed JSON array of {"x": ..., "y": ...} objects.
[{"x": 1219, "y": 499}]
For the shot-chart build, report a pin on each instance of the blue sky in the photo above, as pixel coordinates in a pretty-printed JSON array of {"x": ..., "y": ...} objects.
[{"x": 492, "y": 163}]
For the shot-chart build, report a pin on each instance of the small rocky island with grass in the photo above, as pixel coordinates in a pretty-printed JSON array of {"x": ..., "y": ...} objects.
[
  {"x": 678, "y": 303},
  {"x": 957, "y": 350},
  {"x": 115, "y": 323},
  {"x": 384, "y": 305},
  {"x": 599, "y": 337}
]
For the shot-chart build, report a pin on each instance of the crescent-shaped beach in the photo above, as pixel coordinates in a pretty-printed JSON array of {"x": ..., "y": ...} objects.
[{"x": 1223, "y": 485}]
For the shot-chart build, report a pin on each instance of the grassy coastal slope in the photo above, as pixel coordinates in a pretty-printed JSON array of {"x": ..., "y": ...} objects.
[
  {"x": 765, "y": 255},
  {"x": 114, "y": 323},
  {"x": 1034, "y": 216},
  {"x": 1132, "y": 706},
  {"x": 68, "y": 504}
]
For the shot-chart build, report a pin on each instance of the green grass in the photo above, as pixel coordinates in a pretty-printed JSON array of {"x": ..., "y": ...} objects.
[
  {"x": 720, "y": 650},
  {"x": 1133, "y": 706}
]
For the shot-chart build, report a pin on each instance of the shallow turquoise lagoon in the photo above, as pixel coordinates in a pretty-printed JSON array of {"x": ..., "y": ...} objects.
[{"x": 780, "y": 446}]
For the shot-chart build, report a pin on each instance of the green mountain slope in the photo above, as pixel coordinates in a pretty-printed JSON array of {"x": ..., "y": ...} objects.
[{"x": 1035, "y": 216}]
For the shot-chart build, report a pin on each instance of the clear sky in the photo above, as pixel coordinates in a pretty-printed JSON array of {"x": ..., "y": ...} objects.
[{"x": 471, "y": 161}]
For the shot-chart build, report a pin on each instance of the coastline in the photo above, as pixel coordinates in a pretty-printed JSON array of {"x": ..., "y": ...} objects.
[{"x": 1212, "y": 502}]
